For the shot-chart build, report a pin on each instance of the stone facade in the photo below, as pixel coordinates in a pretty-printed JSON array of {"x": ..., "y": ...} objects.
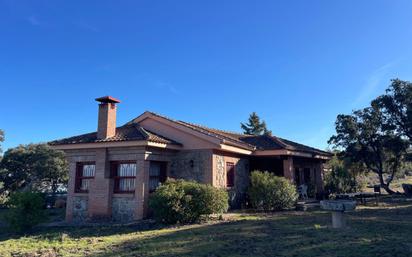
[
  {"x": 80, "y": 207},
  {"x": 123, "y": 208},
  {"x": 192, "y": 165},
  {"x": 237, "y": 194},
  {"x": 220, "y": 172}
]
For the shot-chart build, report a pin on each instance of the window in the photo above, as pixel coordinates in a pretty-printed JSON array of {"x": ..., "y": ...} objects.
[
  {"x": 157, "y": 175},
  {"x": 124, "y": 175},
  {"x": 84, "y": 173},
  {"x": 230, "y": 174}
]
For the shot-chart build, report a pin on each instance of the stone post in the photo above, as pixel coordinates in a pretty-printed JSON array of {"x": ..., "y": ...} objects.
[{"x": 338, "y": 219}]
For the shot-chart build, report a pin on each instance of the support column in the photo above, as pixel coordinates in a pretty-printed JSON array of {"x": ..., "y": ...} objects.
[
  {"x": 101, "y": 190},
  {"x": 142, "y": 189},
  {"x": 288, "y": 168}
]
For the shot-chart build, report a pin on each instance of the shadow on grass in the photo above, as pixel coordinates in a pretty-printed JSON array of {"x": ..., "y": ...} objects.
[
  {"x": 374, "y": 231},
  {"x": 383, "y": 232}
]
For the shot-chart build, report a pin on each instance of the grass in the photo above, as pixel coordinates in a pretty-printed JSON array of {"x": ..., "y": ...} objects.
[{"x": 383, "y": 230}]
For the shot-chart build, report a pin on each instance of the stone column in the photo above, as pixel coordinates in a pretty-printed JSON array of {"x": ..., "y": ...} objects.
[
  {"x": 70, "y": 190},
  {"x": 101, "y": 190},
  {"x": 288, "y": 168},
  {"x": 338, "y": 219}
]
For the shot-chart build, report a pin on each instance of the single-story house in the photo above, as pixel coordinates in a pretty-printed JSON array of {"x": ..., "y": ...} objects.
[{"x": 114, "y": 170}]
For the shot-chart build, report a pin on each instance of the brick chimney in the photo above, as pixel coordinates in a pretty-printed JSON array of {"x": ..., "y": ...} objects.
[{"x": 106, "y": 126}]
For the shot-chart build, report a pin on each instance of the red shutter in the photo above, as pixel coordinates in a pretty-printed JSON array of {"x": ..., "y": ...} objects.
[
  {"x": 230, "y": 174},
  {"x": 79, "y": 173},
  {"x": 113, "y": 174},
  {"x": 113, "y": 169}
]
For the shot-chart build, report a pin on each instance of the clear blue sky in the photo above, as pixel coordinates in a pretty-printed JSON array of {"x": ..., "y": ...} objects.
[{"x": 296, "y": 63}]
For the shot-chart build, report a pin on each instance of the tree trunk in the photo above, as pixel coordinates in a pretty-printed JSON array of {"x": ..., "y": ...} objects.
[
  {"x": 387, "y": 189},
  {"x": 385, "y": 185}
]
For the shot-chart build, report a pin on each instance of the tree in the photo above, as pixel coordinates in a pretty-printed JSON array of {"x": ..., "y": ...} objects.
[
  {"x": 35, "y": 166},
  {"x": 396, "y": 104},
  {"x": 1, "y": 140},
  {"x": 365, "y": 139},
  {"x": 343, "y": 176},
  {"x": 254, "y": 126}
]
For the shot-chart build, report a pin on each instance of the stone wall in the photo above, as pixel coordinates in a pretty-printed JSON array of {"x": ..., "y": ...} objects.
[
  {"x": 237, "y": 194},
  {"x": 192, "y": 165},
  {"x": 220, "y": 172},
  {"x": 123, "y": 208},
  {"x": 80, "y": 208}
]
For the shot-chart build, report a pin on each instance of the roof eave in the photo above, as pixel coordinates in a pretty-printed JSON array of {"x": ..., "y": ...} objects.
[{"x": 106, "y": 144}]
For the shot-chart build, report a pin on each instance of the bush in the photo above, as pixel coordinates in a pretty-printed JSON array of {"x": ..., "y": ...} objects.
[
  {"x": 269, "y": 192},
  {"x": 26, "y": 210},
  {"x": 180, "y": 201},
  {"x": 340, "y": 180}
]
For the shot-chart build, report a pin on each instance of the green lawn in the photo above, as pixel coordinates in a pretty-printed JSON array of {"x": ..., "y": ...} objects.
[{"x": 384, "y": 230}]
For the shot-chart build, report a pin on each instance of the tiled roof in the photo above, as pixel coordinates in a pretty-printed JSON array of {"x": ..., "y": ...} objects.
[
  {"x": 266, "y": 142},
  {"x": 132, "y": 131},
  {"x": 128, "y": 132},
  {"x": 263, "y": 142}
]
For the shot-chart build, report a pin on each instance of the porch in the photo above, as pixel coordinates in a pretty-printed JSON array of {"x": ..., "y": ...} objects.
[{"x": 300, "y": 170}]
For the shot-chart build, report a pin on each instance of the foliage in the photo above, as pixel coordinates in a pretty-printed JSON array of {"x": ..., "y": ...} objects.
[
  {"x": 1, "y": 140},
  {"x": 396, "y": 104},
  {"x": 26, "y": 210},
  {"x": 180, "y": 201},
  {"x": 365, "y": 139},
  {"x": 33, "y": 166},
  {"x": 254, "y": 126},
  {"x": 269, "y": 192},
  {"x": 343, "y": 177}
]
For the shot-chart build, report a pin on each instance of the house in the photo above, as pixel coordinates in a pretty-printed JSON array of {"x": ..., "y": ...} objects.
[{"x": 114, "y": 170}]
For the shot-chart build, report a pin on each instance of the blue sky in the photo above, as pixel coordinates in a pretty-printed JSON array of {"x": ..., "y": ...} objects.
[{"x": 296, "y": 63}]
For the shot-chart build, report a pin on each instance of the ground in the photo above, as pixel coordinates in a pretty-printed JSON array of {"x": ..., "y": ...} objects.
[{"x": 383, "y": 230}]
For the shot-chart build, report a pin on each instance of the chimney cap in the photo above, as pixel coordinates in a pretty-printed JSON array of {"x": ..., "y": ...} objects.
[{"x": 107, "y": 99}]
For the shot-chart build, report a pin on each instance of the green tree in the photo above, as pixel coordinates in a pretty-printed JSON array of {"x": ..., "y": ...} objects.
[
  {"x": 25, "y": 211},
  {"x": 1, "y": 140},
  {"x": 396, "y": 104},
  {"x": 35, "y": 166},
  {"x": 343, "y": 176},
  {"x": 254, "y": 126},
  {"x": 364, "y": 138}
]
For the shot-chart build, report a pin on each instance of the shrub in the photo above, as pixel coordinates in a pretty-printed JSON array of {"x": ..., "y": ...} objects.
[
  {"x": 269, "y": 192},
  {"x": 340, "y": 180},
  {"x": 180, "y": 201},
  {"x": 26, "y": 210}
]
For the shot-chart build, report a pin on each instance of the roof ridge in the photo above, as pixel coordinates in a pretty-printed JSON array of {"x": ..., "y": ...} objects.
[
  {"x": 220, "y": 130},
  {"x": 215, "y": 132}
]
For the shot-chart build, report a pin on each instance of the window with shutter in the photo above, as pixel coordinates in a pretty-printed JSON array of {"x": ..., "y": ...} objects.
[
  {"x": 84, "y": 173},
  {"x": 124, "y": 175},
  {"x": 157, "y": 174},
  {"x": 230, "y": 174}
]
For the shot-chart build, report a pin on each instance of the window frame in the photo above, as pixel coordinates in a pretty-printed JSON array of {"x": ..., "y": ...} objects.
[
  {"x": 232, "y": 184},
  {"x": 79, "y": 176},
  {"x": 162, "y": 177},
  {"x": 114, "y": 166}
]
